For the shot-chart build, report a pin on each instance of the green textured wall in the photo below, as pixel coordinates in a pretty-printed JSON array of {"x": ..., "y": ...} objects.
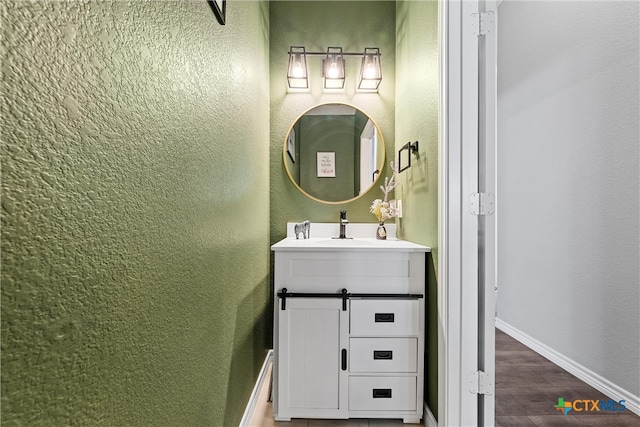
[
  {"x": 135, "y": 211},
  {"x": 353, "y": 25},
  {"x": 417, "y": 93}
]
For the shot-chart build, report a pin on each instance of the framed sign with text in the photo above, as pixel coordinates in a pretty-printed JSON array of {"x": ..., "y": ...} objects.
[{"x": 326, "y": 164}]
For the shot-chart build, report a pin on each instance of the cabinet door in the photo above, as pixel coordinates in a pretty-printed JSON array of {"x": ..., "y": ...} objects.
[{"x": 312, "y": 336}]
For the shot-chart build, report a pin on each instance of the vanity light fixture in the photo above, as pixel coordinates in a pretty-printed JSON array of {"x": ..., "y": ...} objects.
[
  {"x": 297, "y": 70},
  {"x": 333, "y": 68},
  {"x": 370, "y": 70}
]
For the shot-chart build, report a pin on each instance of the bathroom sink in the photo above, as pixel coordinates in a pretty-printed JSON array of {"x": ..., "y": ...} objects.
[{"x": 362, "y": 239}]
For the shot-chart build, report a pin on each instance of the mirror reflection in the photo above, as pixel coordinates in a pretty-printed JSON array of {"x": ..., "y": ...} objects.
[{"x": 334, "y": 153}]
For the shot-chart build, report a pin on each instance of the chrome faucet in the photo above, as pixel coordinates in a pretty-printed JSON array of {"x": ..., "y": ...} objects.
[{"x": 343, "y": 225}]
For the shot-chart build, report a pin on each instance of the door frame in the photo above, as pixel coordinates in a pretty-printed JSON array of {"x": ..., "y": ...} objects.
[{"x": 466, "y": 256}]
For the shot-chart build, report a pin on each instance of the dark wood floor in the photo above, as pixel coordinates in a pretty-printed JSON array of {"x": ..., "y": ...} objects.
[{"x": 528, "y": 386}]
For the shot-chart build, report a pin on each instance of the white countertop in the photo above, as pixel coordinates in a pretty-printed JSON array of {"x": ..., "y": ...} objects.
[
  {"x": 358, "y": 243},
  {"x": 324, "y": 239}
]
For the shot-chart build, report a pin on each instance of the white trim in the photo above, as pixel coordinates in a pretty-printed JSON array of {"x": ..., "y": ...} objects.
[
  {"x": 444, "y": 376},
  {"x": 458, "y": 228},
  {"x": 251, "y": 405},
  {"x": 588, "y": 376},
  {"x": 468, "y": 170},
  {"x": 487, "y": 244},
  {"x": 428, "y": 418}
]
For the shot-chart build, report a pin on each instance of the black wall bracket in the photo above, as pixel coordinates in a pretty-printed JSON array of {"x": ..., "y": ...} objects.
[{"x": 405, "y": 152}]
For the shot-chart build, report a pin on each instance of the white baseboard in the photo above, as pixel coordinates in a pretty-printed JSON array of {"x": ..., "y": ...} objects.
[
  {"x": 601, "y": 384},
  {"x": 251, "y": 405},
  {"x": 429, "y": 419}
]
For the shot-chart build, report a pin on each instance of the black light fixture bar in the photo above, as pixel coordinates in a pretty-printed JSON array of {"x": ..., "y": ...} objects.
[{"x": 325, "y": 53}]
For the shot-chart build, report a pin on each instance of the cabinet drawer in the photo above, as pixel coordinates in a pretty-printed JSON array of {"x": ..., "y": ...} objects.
[
  {"x": 384, "y": 317},
  {"x": 383, "y": 355},
  {"x": 382, "y": 393}
]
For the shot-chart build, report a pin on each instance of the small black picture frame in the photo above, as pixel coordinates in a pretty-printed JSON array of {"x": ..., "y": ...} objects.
[
  {"x": 219, "y": 9},
  {"x": 291, "y": 145}
]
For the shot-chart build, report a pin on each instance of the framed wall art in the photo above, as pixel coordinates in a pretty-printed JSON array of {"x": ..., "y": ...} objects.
[
  {"x": 326, "y": 164},
  {"x": 291, "y": 145}
]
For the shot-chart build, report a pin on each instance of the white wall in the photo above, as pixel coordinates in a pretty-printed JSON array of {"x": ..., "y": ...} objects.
[{"x": 568, "y": 181}]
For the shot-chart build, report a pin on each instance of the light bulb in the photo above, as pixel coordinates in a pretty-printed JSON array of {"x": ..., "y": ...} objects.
[
  {"x": 298, "y": 72},
  {"x": 370, "y": 71},
  {"x": 333, "y": 71}
]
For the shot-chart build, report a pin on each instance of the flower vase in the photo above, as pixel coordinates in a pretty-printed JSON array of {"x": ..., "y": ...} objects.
[{"x": 381, "y": 233}]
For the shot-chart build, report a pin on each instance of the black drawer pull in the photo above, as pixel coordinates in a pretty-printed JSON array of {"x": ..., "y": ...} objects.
[
  {"x": 382, "y": 393},
  {"x": 344, "y": 359},
  {"x": 382, "y": 355},
  {"x": 384, "y": 317}
]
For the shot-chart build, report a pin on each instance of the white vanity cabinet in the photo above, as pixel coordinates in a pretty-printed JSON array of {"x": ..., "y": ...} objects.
[{"x": 349, "y": 329}]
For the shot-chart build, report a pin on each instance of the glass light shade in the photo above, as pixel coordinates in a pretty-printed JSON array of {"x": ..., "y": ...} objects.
[
  {"x": 333, "y": 68},
  {"x": 370, "y": 70},
  {"x": 297, "y": 70}
]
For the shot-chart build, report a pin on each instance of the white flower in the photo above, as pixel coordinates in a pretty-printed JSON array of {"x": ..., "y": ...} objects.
[{"x": 385, "y": 209}]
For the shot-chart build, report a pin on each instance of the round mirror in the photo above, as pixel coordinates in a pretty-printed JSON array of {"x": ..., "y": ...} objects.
[{"x": 334, "y": 153}]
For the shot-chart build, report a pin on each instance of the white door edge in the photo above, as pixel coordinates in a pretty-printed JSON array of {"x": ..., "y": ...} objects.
[{"x": 461, "y": 348}]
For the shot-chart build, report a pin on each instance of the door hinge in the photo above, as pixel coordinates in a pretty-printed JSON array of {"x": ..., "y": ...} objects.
[
  {"x": 483, "y": 23},
  {"x": 482, "y": 203},
  {"x": 481, "y": 383}
]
